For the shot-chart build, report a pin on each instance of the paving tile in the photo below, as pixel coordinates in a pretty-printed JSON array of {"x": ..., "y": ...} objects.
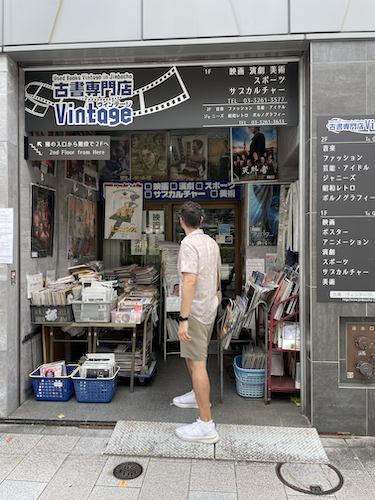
[
  {"x": 212, "y": 476},
  {"x": 7, "y": 464},
  {"x": 18, "y": 444},
  {"x": 343, "y": 459},
  {"x": 22, "y": 428},
  {"x": 106, "y": 492},
  {"x": 211, "y": 495},
  {"x": 38, "y": 466},
  {"x": 166, "y": 480},
  {"x": 54, "y": 430},
  {"x": 59, "y": 444},
  {"x": 330, "y": 442},
  {"x": 258, "y": 483},
  {"x": 16, "y": 490},
  {"x": 107, "y": 478},
  {"x": 90, "y": 446},
  {"x": 357, "y": 484},
  {"x": 77, "y": 474}
]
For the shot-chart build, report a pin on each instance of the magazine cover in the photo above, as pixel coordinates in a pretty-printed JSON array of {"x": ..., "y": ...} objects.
[
  {"x": 189, "y": 158},
  {"x": 81, "y": 227},
  {"x": 117, "y": 168},
  {"x": 254, "y": 153},
  {"x": 148, "y": 153},
  {"x": 219, "y": 156},
  {"x": 264, "y": 201},
  {"x": 123, "y": 212},
  {"x": 43, "y": 221}
]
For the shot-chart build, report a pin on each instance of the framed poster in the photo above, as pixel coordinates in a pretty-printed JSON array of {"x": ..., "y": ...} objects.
[
  {"x": 123, "y": 211},
  {"x": 83, "y": 172},
  {"x": 254, "y": 153},
  {"x": 264, "y": 203},
  {"x": 219, "y": 156},
  {"x": 117, "y": 168},
  {"x": 43, "y": 221},
  {"x": 81, "y": 227},
  {"x": 148, "y": 153},
  {"x": 189, "y": 158}
]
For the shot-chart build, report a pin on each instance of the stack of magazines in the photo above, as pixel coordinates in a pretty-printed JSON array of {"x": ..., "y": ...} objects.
[
  {"x": 55, "y": 369},
  {"x": 60, "y": 294},
  {"x": 98, "y": 366}
]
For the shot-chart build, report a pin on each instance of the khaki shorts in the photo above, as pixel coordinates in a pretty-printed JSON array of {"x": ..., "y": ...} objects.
[{"x": 200, "y": 335}]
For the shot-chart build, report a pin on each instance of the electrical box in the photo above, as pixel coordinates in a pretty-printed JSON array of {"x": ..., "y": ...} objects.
[{"x": 360, "y": 345}]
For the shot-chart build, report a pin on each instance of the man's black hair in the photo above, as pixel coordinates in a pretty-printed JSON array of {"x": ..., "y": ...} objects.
[{"x": 191, "y": 213}]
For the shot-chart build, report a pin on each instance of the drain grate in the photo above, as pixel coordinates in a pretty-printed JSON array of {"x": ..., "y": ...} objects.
[{"x": 127, "y": 470}]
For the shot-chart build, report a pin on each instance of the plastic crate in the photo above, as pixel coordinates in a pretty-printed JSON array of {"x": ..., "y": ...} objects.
[
  {"x": 91, "y": 312},
  {"x": 95, "y": 390},
  {"x": 249, "y": 383},
  {"x": 54, "y": 388},
  {"x": 51, "y": 314}
]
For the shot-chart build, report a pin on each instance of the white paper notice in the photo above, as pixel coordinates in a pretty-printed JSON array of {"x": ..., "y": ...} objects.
[
  {"x": 254, "y": 265},
  {"x": 6, "y": 235}
]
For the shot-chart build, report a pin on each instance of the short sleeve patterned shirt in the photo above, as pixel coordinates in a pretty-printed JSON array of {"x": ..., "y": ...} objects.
[{"x": 199, "y": 254}]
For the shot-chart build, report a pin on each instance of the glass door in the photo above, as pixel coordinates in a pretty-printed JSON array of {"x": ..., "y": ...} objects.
[{"x": 221, "y": 222}]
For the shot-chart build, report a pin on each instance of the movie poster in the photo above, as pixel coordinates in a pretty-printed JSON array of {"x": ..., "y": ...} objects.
[
  {"x": 264, "y": 201},
  {"x": 117, "y": 168},
  {"x": 81, "y": 228},
  {"x": 189, "y": 158},
  {"x": 148, "y": 153},
  {"x": 123, "y": 211},
  {"x": 83, "y": 172},
  {"x": 43, "y": 221},
  {"x": 254, "y": 154},
  {"x": 219, "y": 156}
]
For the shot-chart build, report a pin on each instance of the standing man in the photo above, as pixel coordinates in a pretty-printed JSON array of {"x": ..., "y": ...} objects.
[
  {"x": 258, "y": 142},
  {"x": 199, "y": 270}
]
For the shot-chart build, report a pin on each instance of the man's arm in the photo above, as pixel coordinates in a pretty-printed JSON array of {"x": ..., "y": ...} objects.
[{"x": 187, "y": 295}]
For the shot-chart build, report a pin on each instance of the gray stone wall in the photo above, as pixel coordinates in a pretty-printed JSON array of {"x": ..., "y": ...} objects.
[
  {"x": 9, "y": 295},
  {"x": 342, "y": 83}
]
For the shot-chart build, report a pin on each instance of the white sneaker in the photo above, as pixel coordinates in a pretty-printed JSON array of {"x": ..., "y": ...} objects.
[
  {"x": 187, "y": 400},
  {"x": 200, "y": 432}
]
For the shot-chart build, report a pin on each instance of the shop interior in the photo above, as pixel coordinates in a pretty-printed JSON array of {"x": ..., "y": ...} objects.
[{"x": 148, "y": 397}]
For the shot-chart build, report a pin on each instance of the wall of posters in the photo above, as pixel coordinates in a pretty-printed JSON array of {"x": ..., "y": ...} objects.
[
  {"x": 189, "y": 158},
  {"x": 264, "y": 203},
  {"x": 81, "y": 228},
  {"x": 148, "y": 154},
  {"x": 219, "y": 156},
  {"x": 254, "y": 153},
  {"x": 117, "y": 168},
  {"x": 83, "y": 172},
  {"x": 43, "y": 220},
  {"x": 123, "y": 211}
]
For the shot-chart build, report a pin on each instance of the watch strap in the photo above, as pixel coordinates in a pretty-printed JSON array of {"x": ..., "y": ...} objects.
[{"x": 180, "y": 318}]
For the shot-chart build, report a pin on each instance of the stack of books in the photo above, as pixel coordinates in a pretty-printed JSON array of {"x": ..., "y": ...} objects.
[{"x": 60, "y": 294}]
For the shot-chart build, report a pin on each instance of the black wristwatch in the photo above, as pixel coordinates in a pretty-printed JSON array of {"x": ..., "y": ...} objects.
[{"x": 180, "y": 318}]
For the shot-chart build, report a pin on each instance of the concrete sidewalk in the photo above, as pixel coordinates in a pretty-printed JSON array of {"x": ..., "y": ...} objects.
[{"x": 65, "y": 463}]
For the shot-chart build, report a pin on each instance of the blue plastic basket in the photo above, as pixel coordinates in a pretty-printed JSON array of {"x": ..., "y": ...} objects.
[
  {"x": 95, "y": 390},
  {"x": 249, "y": 383},
  {"x": 54, "y": 388}
]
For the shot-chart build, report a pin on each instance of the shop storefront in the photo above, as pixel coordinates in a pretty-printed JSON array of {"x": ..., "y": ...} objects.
[{"x": 175, "y": 116}]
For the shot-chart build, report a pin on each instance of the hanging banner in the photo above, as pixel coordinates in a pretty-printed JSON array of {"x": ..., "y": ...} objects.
[
  {"x": 148, "y": 98},
  {"x": 123, "y": 211},
  {"x": 182, "y": 190}
]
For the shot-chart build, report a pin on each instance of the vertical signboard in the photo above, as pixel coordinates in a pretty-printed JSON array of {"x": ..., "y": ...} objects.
[{"x": 346, "y": 209}]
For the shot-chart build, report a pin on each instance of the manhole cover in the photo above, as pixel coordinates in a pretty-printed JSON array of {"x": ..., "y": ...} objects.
[{"x": 127, "y": 470}]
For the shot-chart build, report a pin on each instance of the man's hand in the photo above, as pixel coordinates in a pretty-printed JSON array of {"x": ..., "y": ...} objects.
[{"x": 183, "y": 331}]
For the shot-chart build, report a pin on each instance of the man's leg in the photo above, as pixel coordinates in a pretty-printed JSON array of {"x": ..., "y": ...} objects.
[{"x": 201, "y": 385}]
